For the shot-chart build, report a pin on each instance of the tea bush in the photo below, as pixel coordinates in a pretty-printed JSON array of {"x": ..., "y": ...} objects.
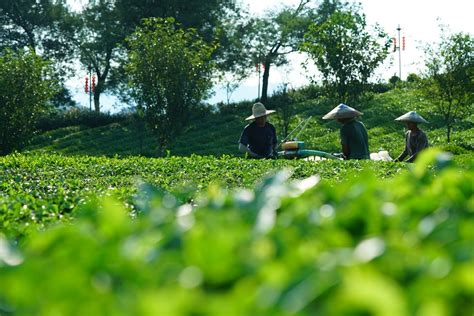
[
  {"x": 39, "y": 189},
  {"x": 364, "y": 245}
]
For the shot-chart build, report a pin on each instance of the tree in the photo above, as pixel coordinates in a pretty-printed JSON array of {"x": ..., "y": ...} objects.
[
  {"x": 37, "y": 25},
  {"x": 33, "y": 24},
  {"x": 449, "y": 77},
  {"x": 283, "y": 101},
  {"x": 170, "y": 71},
  {"x": 26, "y": 85},
  {"x": 230, "y": 82},
  {"x": 277, "y": 35},
  {"x": 233, "y": 62},
  {"x": 104, "y": 24},
  {"x": 97, "y": 34},
  {"x": 345, "y": 52},
  {"x": 203, "y": 15},
  {"x": 394, "y": 80}
]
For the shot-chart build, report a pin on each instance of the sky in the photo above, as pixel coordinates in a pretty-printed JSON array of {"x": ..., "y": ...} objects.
[{"x": 419, "y": 21}]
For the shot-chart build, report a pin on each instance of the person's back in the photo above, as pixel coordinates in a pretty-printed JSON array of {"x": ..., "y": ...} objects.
[
  {"x": 416, "y": 141},
  {"x": 354, "y": 135},
  {"x": 354, "y": 138}
]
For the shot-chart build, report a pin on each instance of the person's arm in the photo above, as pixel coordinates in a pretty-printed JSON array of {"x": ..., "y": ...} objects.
[
  {"x": 244, "y": 144},
  {"x": 344, "y": 144},
  {"x": 402, "y": 155},
  {"x": 412, "y": 158},
  {"x": 405, "y": 151},
  {"x": 275, "y": 142},
  {"x": 345, "y": 151},
  {"x": 246, "y": 149}
]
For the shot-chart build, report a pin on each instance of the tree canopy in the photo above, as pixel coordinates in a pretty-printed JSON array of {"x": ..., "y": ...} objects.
[
  {"x": 345, "y": 51},
  {"x": 274, "y": 36},
  {"x": 36, "y": 24},
  {"x": 26, "y": 86},
  {"x": 103, "y": 26},
  {"x": 449, "y": 77},
  {"x": 170, "y": 71}
]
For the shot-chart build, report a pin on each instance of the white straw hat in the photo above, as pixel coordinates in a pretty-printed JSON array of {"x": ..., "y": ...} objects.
[
  {"x": 342, "y": 111},
  {"x": 258, "y": 110},
  {"x": 411, "y": 116}
]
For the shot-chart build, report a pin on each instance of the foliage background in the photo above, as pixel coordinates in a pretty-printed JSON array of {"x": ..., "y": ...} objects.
[{"x": 26, "y": 86}]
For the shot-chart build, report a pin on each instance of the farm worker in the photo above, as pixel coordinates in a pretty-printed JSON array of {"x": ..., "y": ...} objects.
[
  {"x": 354, "y": 138},
  {"x": 258, "y": 138},
  {"x": 415, "y": 138}
]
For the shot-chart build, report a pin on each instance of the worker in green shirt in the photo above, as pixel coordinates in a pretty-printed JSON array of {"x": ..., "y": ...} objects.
[{"x": 354, "y": 138}]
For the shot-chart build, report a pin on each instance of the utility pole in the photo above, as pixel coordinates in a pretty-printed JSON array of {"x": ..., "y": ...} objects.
[
  {"x": 89, "y": 86},
  {"x": 258, "y": 69},
  {"x": 399, "y": 47},
  {"x": 90, "y": 89},
  {"x": 399, "y": 53}
]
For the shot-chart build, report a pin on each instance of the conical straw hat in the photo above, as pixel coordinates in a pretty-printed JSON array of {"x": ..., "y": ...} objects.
[
  {"x": 258, "y": 110},
  {"x": 342, "y": 111},
  {"x": 411, "y": 116}
]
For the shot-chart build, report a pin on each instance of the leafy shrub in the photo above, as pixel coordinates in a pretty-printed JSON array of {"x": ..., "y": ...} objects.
[
  {"x": 401, "y": 246},
  {"x": 454, "y": 149},
  {"x": 26, "y": 87},
  {"x": 310, "y": 92},
  {"x": 78, "y": 117},
  {"x": 380, "y": 87}
]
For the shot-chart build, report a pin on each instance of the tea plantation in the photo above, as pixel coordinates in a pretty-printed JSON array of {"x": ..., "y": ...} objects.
[
  {"x": 39, "y": 189},
  {"x": 216, "y": 132},
  {"x": 90, "y": 226},
  {"x": 206, "y": 236}
]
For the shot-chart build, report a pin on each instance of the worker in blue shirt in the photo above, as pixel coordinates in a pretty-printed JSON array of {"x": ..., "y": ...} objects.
[{"x": 258, "y": 138}]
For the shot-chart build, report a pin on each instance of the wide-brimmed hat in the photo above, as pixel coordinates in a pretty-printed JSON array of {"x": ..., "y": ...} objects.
[
  {"x": 411, "y": 116},
  {"x": 342, "y": 111},
  {"x": 258, "y": 110}
]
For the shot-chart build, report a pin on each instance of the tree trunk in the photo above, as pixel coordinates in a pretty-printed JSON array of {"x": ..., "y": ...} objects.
[
  {"x": 161, "y": 148},
  {"x": 162, "y": 141},
  {"x": 98, "y": 90},
  {"x": 266, "y": 75},
  {"x": 97, "y": 101},
  {"x": 101, "y": 77},
  {"x": 448, "y": 132},
  {"x": 286, "y": 127}
]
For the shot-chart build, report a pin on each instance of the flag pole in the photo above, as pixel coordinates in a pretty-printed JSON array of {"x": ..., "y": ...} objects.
[{"x": 399, "y": 53}]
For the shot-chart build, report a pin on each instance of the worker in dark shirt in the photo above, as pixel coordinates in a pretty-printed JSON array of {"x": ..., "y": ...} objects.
[
  {"x": 258, "y": 139},
  {"x": 354, "y": 137},
  {"x": 415, "y": 138}
]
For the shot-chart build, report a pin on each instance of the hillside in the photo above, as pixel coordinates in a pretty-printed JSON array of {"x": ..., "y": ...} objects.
[{"x": 216, "y": 133}]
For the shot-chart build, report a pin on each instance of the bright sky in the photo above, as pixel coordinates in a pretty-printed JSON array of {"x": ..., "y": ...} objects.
[{"x": 418, "y": 19}]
